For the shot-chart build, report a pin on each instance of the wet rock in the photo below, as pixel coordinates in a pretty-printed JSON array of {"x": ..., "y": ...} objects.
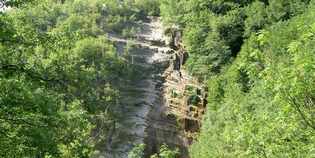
[
  {"x": 171, "y": 117},
  {"x": 191, "y": 125},
  {"x": 161, "y": 117},
  {"x": 170, "y": 51},
  {"x": 175, "y": 35}
]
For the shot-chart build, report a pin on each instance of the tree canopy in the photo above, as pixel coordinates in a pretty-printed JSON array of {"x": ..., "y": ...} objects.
[
  {"x": 61, "y": 78},
  {"x": 59, "y": 74},
  {"x": 257, "y": 59}
]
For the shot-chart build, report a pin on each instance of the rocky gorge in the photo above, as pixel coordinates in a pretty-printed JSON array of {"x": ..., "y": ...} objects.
[{"x": 163, "y": 104}]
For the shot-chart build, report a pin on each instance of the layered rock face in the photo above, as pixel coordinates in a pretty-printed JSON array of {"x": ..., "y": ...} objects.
[{"x": 152, "y": 113}]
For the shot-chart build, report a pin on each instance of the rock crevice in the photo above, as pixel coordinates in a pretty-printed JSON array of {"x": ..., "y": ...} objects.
[{"x": 162, "y": 104}]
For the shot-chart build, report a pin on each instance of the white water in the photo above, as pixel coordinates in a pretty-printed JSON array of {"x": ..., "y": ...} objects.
[{"x": 132, "y": 129}]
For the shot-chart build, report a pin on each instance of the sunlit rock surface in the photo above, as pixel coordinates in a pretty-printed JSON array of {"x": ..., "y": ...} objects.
[{"x": 148, "y": 116}]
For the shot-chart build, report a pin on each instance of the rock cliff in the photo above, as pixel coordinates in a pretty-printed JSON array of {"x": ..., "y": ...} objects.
[{"x": 163, "y": 104}]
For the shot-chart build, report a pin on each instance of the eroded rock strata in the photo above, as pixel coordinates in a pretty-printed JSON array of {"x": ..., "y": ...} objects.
[{"x": 162, "y": 104}]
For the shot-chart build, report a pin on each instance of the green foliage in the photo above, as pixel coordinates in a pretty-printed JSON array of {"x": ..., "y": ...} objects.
[
  {"x": 257, "y": 22},
  {"x": 124, "y": 15},
  {"x": 58, "y": 79},
  {"x": 165, "y": 152},
  {"x": 214, "y": 30},
  {"x": 261, "y": 104},
  {"x": 59, "y": 76},
  {"x": 17, "y": 3},
  {"x": 137, "y": 151},
  {"x": 151, "y": 7},
  {"x": 172, "y": 11}
]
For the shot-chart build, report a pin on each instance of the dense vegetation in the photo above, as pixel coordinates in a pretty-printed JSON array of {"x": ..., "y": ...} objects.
[
  {"x": 258, "y": 60},
  {"x": 59, "y": 74}
]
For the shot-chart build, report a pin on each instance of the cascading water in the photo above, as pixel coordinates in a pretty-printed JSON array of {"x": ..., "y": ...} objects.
[{"x": 143, "y": 104}]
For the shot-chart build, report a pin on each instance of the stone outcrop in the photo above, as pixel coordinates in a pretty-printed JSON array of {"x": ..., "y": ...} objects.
[
  {"x": 163, "y": 104},
  {"x": 185, "y": 96},
  {"x": 184, "y": 101}
]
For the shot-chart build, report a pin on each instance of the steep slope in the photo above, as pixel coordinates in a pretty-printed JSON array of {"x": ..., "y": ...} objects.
[
  {"x": 152, "y": 115},
  {"x": 143, "y": 95}
]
